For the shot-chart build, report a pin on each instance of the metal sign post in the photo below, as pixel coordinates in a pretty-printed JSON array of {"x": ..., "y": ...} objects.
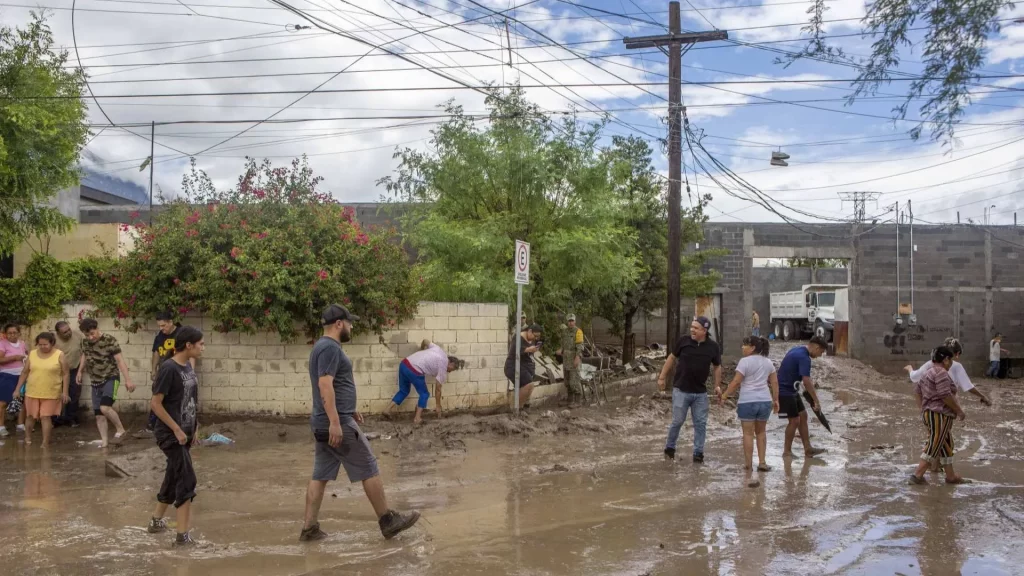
[{"x": 522, "y": 276}]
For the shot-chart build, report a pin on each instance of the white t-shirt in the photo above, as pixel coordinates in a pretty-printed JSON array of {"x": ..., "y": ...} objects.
[
  {"x": 956, "y": 372},
  {"x": 755, "y": 369},
  {"x": 993, "y": 351}
]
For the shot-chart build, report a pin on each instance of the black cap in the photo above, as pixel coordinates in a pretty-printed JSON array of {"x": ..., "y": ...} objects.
[
  {"x": 536, "y": 328},
  {"x": 336, "y": 312}
]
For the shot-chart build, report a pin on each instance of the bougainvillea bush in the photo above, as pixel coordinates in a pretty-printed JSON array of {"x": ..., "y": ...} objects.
[{"x": 268, "y": 254}]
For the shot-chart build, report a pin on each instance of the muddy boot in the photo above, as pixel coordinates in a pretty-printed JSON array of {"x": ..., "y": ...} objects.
[
  {"x": 670, "y": 453},
  {"x": 392, "y": 523},
  {"x": 157, "y": 525},
  {"x": 312, "y": 533},
  {"x": 184, "y": 540}
]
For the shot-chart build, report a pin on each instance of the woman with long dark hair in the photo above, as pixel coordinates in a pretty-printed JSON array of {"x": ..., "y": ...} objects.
[{"x": 759, "y": 397}]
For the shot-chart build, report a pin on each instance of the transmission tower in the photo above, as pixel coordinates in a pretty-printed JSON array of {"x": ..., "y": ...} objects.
[{"x": 860, "y": 201}]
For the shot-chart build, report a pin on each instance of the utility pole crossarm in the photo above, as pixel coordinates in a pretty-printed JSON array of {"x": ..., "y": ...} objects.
[
  {"x": 678, "y": 38},
  {"x": 674, "y": 41}
]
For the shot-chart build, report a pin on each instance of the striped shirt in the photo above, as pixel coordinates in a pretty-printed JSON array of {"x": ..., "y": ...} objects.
[
  {"x": 934, "y": 388},
  {"x": 432, "y": 361}
]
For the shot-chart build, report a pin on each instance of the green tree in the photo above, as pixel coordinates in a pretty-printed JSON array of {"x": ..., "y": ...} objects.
[
  {"x": 641, "y": 206},
  {"x": 42, "y": 129},
  {"x": 269, "y": 254},
  {"x": 952, "y": 48},
  {"x": 524, "y": 176}
]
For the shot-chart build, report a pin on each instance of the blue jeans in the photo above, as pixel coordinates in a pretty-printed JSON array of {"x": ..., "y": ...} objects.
[
  {"x": 755, "y": 331},
  {"x": 681, "y": 402},
  {"x": 993, "y": 369},
  {"x": 408, "y": 378}
]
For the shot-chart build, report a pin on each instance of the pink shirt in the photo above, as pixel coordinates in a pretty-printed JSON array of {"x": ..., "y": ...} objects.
[
  {"x": 11, "y": 350},
  {"x": 432, "y": 361}
]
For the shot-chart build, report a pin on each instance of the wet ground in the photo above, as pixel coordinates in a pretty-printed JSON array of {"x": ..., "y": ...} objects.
[{"x": 585, "y": 494}]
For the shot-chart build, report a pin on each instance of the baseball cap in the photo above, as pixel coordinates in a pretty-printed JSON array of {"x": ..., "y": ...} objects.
[
  {"x": 336, "y": 312},
  {"x": 536, "y": 328},
  {"x": 570, "y": 318},
  {"x": 703, "y": 321}
]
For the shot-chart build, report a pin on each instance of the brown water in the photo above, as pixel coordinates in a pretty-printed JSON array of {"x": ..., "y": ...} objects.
[{"x": 492, "y": 504}]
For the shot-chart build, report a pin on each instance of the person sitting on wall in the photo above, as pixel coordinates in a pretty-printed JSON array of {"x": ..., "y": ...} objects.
[{"x": 412, "y": 372}]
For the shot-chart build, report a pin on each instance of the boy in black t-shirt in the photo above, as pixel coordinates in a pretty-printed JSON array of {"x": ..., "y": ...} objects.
[
  {"x": 175, "y": 399},
  {"x": 163, "y": 349}
]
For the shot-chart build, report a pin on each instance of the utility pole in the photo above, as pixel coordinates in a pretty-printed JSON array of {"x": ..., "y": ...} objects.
[
  {"x": 674, "y": 40},
  {"x": 152, "y": 143}
]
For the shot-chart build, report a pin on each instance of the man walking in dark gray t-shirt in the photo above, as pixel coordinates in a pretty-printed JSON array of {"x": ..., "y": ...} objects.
[{"x": 338, "y": 439}]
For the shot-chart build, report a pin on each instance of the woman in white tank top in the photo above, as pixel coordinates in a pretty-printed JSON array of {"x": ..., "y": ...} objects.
[{"x": 759, "y": 397}]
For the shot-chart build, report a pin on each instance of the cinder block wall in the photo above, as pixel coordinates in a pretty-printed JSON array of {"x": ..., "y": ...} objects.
[{"x": 257, "y": 374}]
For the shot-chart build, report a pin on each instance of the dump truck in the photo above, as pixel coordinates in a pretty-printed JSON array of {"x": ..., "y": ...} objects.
[{"x": 801, "y": 313}]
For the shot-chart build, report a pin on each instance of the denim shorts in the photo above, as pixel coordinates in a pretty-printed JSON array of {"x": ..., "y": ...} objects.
[{"x": 754, "y": 411}]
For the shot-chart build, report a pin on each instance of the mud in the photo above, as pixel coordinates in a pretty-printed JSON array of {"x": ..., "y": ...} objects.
[{"x": 583, "y": 493}]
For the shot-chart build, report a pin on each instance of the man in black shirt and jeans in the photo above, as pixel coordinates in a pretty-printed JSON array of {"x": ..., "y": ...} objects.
[
  {"x": 175, "y": 402},
  {"x": 694, "y": 355}
]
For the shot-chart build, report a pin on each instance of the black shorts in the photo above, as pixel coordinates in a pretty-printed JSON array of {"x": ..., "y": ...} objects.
[
  {"x": 790, "y": 406},
  {"x": 179, "y": 484}
]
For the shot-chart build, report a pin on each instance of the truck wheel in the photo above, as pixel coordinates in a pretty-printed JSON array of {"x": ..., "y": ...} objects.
[
  {"x": 822, "y": 332},
  {"x": 777, "y": 329},
  {"x": 788, "y": 331}
]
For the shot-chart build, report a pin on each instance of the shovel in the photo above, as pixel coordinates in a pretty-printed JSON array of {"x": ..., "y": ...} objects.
[{"x": 818, "y": 413}]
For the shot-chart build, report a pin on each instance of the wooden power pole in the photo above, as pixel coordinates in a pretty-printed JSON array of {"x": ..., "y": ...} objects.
[{"x": 674, "y": 40}]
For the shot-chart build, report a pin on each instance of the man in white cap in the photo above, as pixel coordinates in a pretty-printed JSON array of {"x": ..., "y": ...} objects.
[{"x": 572, "y": 356}]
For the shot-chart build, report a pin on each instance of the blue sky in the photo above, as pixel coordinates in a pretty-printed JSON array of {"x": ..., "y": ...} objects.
[{"x": 126, "y": 45}]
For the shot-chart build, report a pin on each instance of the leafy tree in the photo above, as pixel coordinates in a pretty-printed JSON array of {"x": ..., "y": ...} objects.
[
  {"x": 641, "y": 206},
  {"x": 42, "y": 129},
  {"x": 46, "y": 285},
  {"x": 266, "y": 255},
  {"x": 523, "y": 176},
  {"x": 952, "y": 47}
]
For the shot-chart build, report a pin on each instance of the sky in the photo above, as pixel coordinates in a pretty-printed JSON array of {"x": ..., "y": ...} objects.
[{"x": 162, "y": 53}]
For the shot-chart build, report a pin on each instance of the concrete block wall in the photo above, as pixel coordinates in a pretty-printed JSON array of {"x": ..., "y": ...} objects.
[{"x": 258, "y": 374}]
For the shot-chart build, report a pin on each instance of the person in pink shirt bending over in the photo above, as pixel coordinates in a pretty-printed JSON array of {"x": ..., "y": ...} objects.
[{"x": 412, "y": 372}]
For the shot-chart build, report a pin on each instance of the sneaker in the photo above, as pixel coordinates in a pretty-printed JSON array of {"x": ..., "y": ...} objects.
[
  {"x": 312, "y": 533},
  {"x": 670, "y": 453},
  {"x": 394, "y": 522},
  {"x": 698, "y": 457},
  {"x": 3, "y": 432},
  {"x": 184, "y": 540},
  {"x": 21, "y": 428},
  {"x": 157, "y": 525},
  {"x": 917, "y": 480}
]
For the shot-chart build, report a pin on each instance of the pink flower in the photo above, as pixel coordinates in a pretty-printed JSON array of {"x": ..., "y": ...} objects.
[
  {"x": 191, "y": 233},
  {"x": 236, "y": 252},
  {"x": 247, "y": 321},
  {"x": 177, "y": 281},
  {"x": 322, "y": 274},
  {"x": 266, "y": 312},
  {"x": 259, "y": 194},
  {"x": 287, "y": 263}
]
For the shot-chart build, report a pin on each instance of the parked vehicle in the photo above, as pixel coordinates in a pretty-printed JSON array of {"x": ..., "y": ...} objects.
[{"x": 804, "y": 312}]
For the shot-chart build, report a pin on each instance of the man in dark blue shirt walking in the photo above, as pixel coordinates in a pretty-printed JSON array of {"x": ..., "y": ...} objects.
[{"x": 795, "y": 371}]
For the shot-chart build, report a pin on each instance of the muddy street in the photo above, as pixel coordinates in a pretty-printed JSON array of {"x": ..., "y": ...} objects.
[{"x": 584, "y": 493}]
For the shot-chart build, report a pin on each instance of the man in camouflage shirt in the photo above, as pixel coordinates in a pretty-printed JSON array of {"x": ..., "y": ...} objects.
[
  {"x": 572, "y": 356},
  {"x": 103, "y": 361}
]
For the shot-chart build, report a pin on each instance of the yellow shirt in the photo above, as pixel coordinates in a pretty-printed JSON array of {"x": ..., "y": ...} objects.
[{"x": 45, "y": 377}]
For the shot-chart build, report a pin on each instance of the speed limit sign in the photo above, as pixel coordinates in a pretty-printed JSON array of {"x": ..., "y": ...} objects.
[{"x": 522, "y": 262}]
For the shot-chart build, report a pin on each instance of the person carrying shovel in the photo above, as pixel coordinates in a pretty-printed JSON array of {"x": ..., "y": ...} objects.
[{"x": 795, "y": 371}]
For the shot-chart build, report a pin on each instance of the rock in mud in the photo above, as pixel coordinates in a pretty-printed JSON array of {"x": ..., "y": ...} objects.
[
  {"x": 566, "y": 413},
  {"x": 372, "y": 435},
  {"x": 114, "y": 470}
]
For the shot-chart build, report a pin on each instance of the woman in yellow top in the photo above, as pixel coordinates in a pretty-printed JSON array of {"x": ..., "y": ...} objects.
[{"x": 46, "y": 382}]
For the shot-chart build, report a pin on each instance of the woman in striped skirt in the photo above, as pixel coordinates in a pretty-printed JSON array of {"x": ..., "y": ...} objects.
[{"x": 936, "y": 397}]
